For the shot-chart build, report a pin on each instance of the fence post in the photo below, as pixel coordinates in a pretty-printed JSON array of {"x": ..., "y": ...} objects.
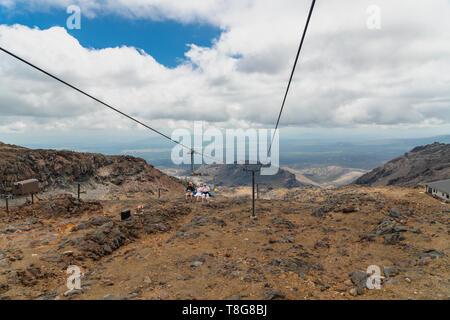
[
  {"x": 159, "y": 192},
  {"x": 7, "y": 205}
]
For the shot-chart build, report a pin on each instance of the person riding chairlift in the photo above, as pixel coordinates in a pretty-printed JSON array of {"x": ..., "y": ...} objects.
[
  {"x": 198, "y": 192},
  {"x": 205, "y": 192},
  {"x": 190, "y": 191}
]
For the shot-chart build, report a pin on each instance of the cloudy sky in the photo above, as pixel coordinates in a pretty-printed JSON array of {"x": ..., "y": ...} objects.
[{"x": 225, "y": 62}]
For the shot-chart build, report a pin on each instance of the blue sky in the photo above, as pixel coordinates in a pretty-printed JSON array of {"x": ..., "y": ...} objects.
[{"x": 165, "y": 40}]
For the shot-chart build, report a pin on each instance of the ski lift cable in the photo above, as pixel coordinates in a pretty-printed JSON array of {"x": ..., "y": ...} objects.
[
  {"x": 293, "y": 70},
  {"x": 101, "y": 102}
]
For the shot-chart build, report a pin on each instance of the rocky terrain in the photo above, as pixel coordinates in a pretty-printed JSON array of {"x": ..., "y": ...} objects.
[
  {"x": 420, "y": 165},
  {"x": 101, "y": 175},
  {"x": 307, "y": 243}
]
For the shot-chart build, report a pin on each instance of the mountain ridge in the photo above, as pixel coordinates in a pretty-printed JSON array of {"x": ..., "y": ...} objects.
[
  {"x": 62, "y": 169},
  {"x": 420, "y": 165}
]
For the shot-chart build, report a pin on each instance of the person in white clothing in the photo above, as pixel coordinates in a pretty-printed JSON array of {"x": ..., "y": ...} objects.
[
  {"x": 205, "y": 192},
  {"x": 198, "y": 192}
]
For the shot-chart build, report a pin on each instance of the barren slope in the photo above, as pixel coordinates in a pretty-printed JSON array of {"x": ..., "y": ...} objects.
[
  {"x": 303, "y": 246},
  {"x": 100, "y": 174},
  {"x": 420, "y": 165}
]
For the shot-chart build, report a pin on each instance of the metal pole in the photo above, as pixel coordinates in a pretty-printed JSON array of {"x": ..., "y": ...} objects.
[
  {"x": 253, "y": 189},
  {"x": 253, "y": 193},
  {"x": 192, "y": 161},
  {"x": 257, "y": 191}
]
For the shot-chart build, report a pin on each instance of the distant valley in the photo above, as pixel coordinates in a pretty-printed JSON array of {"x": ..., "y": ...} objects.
[{"x": 327, "y": 176}]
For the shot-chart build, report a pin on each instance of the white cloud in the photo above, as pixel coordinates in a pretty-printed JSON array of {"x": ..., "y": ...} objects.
[
  {"x": 15, "y": 127},
  {"x": 348, "y": 75}
]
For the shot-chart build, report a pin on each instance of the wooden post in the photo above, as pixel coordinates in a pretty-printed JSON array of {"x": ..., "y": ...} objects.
[
  {"x": 79, "y": 191},
  {"x": 32, "y": 198},
  {"x": 159, "y": 192},
  {"x": 257, "y": 191},
  {"x": 7, "y": 206}
]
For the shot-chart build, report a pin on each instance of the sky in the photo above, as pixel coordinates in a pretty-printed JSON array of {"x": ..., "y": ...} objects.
[{"x": 362, "y": 73}]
